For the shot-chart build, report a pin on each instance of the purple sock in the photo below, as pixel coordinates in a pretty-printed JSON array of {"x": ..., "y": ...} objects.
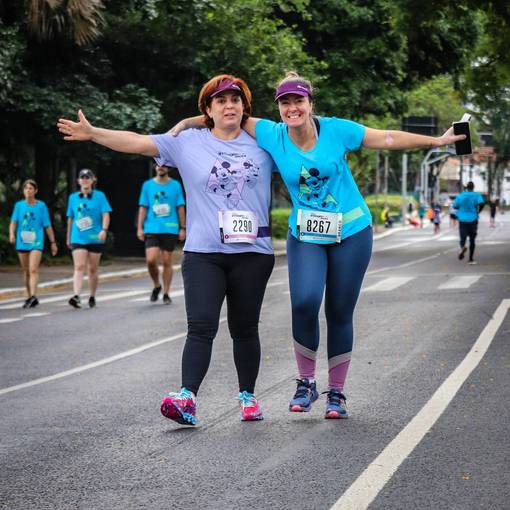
[
  {"x": 338, "y": 367},
  {"x": 305, "y": 361}
]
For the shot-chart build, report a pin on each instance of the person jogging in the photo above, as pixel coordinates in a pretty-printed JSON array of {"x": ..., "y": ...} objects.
[
  {"x": 161, "y": 223},
  {"x": 468, "y": 204},
  {"x": 228, "y": 251},
  {"x": 330, "y": 235},
  {"x": 88, "y": 219},
  {"x": 30, "y": 218}
]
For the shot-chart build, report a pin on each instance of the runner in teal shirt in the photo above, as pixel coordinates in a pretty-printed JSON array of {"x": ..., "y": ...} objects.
[
  {"x": 86, "y": 213},
  {"x": 29, "y": 220},
  {"x": 88, "y": 219},
  {"x": 161, "y": 202},
  {"x": 161, "y": 223}
]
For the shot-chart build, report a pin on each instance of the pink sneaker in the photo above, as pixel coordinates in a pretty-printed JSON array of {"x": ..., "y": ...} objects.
[
  {"x": 180, "y": 407},
  {"x": 250, "y": 410}
]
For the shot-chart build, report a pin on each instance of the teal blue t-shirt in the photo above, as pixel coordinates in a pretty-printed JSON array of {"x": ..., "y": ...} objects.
[
  {"x": 467, "y": 206},
  {"x": 87, "y": 215},
  {"x": 31, "y": 220},
  {"x": 161, "y": 201},
  {"x": 319, "y": 179}
]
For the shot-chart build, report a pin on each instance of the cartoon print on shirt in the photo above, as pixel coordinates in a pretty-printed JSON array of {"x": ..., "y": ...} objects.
[
  {"x": 28, "y": 221},
  {"x": 83, "y": 210},
  {"x": 313, "y": 190},
  {"x": 228, "y": 179}
]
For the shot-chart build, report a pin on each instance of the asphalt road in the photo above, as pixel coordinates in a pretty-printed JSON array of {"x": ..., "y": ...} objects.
[{"x": 80, "y": 426}]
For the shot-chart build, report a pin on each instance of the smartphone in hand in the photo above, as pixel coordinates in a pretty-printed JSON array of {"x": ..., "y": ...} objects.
[{"x": 463, "y": 147}]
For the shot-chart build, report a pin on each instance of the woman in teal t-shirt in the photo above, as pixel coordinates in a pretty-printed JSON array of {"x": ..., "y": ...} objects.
[
  {"x": 29, "y": 220},
  {"x": 330, "y": 236}
]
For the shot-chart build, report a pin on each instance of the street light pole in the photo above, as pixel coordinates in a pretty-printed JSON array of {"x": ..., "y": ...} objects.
[{"x": 404, "y": 186}]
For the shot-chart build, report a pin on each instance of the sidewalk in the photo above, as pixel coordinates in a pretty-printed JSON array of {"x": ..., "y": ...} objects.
[{"x": 60, "y": 277}]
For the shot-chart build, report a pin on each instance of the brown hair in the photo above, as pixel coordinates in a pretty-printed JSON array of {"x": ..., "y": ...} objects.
[
  {"x": 205, "y": 99},
  {"x": 293, "y": 77},
  {"x": 31, "y": 182}
]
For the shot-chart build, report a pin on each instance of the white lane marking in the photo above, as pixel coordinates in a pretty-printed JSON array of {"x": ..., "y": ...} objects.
[
  {"x": 389, "y": 284},
  {"x": 7, "y": 321},
  {"x": 38, "y": 314},
  {"x": 368, "y": 485},
  {"x": 128, "y": 272},
  {"x": 105, "y": 361},
  {"x": 118, "y": 295},
  {"x": 405, "y": 264},
  {"x": 175, "y": 293},
  {"x": 95, "y": 364},
  {"x": 449, "y": 238},
  {"x": 460, "y": 282}
]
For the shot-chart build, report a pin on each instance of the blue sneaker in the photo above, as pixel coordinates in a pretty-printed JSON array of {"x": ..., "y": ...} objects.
[
  {"x": 306, "y": 394},
  {"x": 250, "y": 409},
  {"x": 180, "y": 407},
  {"x": 335, "y": 405}
]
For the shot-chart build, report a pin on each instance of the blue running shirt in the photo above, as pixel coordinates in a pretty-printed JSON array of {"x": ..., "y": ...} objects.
[
  {"x": 31, "y": 220},
  {"x": 319, "y": 179},
  {"x": 161, "y": 202},
  {"x": 467, "y": 206},
  {"x": 87, "y": 215}
]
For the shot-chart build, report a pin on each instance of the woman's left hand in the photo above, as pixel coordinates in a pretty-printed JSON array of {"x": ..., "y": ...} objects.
[
  {"x": 54, "y": 249},
  {"x": 448, "y": 138},
  {"x": 182, "y": 234},
  {"x": 102, "y": 235}
]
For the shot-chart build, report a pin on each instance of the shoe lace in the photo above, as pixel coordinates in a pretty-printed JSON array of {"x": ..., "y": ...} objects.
[
  {"x": 302, "y": 388},
  {"x": 246, "y": 399},
  {"x": 335, "y": 396}
]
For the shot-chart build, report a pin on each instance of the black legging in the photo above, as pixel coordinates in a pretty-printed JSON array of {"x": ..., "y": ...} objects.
[
  {"x": 208, "y": 278},
  {"x": 468, "y": 229}
]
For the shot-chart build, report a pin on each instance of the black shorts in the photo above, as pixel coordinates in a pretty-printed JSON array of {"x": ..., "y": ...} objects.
[
  {"x": 92, "y": 248},
  {"x": 27, "y": 251},
  {"x": 164, "y": 242}
]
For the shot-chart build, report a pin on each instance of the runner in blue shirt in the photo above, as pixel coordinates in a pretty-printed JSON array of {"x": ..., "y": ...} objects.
[
  {"x": 88, "y": 219},
  {"x": 330, "y": 235},
  {"x": 468, "y": 204},
  {"x": 29, "y": 220},
  {"x": 161, "y": 223}
]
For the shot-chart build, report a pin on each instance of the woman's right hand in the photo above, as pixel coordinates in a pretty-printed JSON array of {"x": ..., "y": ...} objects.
[
  {"x": 76, "y": 131},
  {"x": 140, "y": 234},
  {"x": 12, "y": 238},
  {"x": 180, "y": 126}
]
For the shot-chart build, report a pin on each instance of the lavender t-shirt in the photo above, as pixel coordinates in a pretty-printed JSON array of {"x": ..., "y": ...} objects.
[{"x": 219, "y": 175}]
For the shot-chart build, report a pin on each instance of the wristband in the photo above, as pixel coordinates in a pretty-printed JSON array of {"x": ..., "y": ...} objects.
[{"x": 182, "y": 228}]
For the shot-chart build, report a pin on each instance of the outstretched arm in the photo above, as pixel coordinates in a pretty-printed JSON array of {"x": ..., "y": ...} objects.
[
  {"x": 121, "y": 141},
  {"x": 394, "y": 140},
  {"x": 198, "y": 122}
]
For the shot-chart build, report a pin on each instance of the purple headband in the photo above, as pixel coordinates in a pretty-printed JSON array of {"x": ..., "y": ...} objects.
[
  {"x": 224, "y": 86},
  {"x": 292, "y": 87}
]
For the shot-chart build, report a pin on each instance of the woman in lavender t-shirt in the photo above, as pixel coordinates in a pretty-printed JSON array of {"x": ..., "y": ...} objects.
[{"x": 228, "y": 251}]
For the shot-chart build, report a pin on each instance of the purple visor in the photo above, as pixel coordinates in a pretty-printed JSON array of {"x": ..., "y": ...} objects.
[
  {"x": 224, "y": 86},
  {"x": 292, "y": 87}
]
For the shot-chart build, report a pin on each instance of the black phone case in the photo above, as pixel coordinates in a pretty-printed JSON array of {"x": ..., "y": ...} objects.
[{"x": 463, "y": 146}]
